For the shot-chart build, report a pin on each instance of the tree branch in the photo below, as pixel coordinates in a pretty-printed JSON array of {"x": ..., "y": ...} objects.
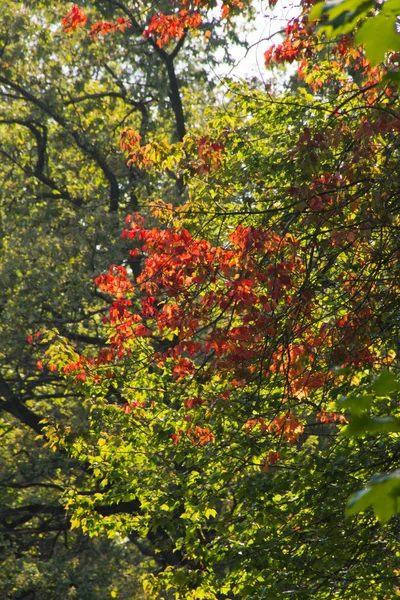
[
  {"x": 12, "y": 405},
  {"x": 175, "y": 97},
  {"x": 85, "y": 145},
  {"x": 97, "y": 96},
  {"x": 168, "y": 60},
  {"x": 41, "y": 147}
]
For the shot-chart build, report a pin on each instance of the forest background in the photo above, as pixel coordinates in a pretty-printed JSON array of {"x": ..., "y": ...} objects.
[{"x": 205, "y": 406}]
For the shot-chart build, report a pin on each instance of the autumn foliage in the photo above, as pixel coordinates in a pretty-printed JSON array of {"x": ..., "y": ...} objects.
[
  {"x": 161, "y": 28},
  {"x": 265, "y": 300}
]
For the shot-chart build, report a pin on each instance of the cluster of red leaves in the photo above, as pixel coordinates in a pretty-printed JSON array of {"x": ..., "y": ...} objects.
[
  {"x": 300, "y": 365},
  {"x": 32, "y": 337},
  {"x": 301, "y": 44},
  {"x": 298, "y": 43},
  {"x": 193, "y": 402},
  {"x": 231, "y": 279},
  {"x": 104, "y": 27},
  {"x": 271, "y": 459},
  {"x": 78, "y": 369},
  {"x": 163, "y": 28},
  {"x": 116, "y": 282},
  {"x": 329, "y": 417},
  {"x": 287, "y": 426},
  {"x": 247, "y": 287},
  {"x": 73, "y": 19},
  {"x": 251, "y": 287},
  {"x": 343, "y": 45},
  {"x": 135, "y": 408},
  {"x": 209, "y": 155},
  {"x": 76, "y": 17},
  {"x": 129, "y": 140},
  {"x": 197, "y": 435},
  {"x": 144, "y": 156}
]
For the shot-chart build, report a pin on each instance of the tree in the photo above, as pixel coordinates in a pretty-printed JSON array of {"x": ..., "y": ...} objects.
[
  {"x": 256, "y": 353},
  {"x": 65, "y": 97}
]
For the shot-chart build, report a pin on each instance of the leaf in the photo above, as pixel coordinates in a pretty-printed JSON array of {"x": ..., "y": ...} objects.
[
  {"x": 392, "y": 77},
  {"x": 362, "y": 425},
  {"x": 386, "y": 384},
  {"x": 382, "y": 493},
  {"x": 378, "y": 35},
  {"x": 316, "y": 11},
  {"x": 356, "y": 403}
]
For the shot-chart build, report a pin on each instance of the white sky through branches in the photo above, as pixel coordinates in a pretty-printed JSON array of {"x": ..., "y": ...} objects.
[{"x": 268, "y": 23}]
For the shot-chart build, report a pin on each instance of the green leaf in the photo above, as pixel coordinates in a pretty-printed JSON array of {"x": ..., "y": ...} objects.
[
  {"x": 392, "y": 77},
  {"x": 361, "y": 425},
  {"x": 356, "y": 403},
  {"x": 382, "y": 493},
  {"x": 378, "y": 35},
  {"x": 386, "y": 384},
  {"x": 317, "y": 11}
]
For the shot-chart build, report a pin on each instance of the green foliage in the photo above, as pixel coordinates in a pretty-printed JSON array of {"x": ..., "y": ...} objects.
[
  {"x": 382, "y": 493},
  {"x": 375, "y": 27},
  {"x": 383, "y": 490}
]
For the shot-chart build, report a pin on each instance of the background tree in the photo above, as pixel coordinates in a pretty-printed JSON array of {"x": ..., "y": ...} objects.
[{"x": 65, "y": 97}]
